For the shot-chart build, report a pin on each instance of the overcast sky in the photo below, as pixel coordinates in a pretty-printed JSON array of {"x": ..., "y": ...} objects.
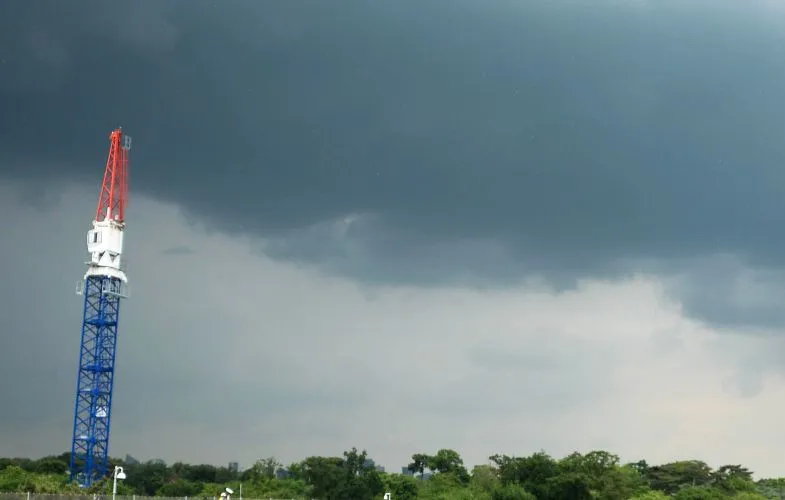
[{"x": 493, "y": 226}]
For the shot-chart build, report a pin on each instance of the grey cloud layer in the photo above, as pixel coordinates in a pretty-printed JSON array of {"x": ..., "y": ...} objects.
[{"x": 498, "y": 139}]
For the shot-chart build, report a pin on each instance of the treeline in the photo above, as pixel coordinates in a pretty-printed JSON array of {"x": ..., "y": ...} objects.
[{"x": 597, "y": 475}]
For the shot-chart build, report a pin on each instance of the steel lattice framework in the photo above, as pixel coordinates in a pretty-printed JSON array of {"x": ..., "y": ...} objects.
[
  {"x": 92, "y": 416},
  {"x": 103, "y": 286}
]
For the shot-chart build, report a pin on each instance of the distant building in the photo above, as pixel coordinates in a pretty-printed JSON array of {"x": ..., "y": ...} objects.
[
  {"x": 406, "y": 472},
  {"x": 370, "y": 464},
  {"x": 157, "y": 461},
  {"x": 234, "y": 467},
  {"x": 283, "y": 473},
  {"x": 129, "y": 460}
]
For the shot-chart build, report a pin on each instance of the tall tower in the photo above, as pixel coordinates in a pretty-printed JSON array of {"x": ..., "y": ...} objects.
[{"x": 103, "y": 285}]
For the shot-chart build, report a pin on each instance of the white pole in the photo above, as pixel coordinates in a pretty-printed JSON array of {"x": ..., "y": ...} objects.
[{"x": 118, "y": 474}]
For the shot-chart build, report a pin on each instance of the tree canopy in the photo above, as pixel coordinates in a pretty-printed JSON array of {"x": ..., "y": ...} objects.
[{"x": 440, "y": 475}]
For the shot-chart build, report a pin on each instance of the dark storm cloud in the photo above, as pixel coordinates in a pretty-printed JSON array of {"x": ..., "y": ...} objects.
[
  {"x": 722, "y": 290},
  {"x": 563, "y": 136}
]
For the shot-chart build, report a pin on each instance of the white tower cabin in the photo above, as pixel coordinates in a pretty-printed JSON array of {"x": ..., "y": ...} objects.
[{"x": 105, "y": 245}]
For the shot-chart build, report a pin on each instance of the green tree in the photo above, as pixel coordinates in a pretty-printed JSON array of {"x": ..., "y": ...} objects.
[
  {"x": 264, "y": 467},
  {"x": 15, "y": 479},
  {"x": 362, "y": 481},
  {"x": 179, "y": 488},
  {"x": 263, "y": 487},
  {"x": 420, "y": 462},
  {"x": 402, "y": 487},
  {"x": 50, "y": 465},
  {"x": 651, "y": 495},
  {"x": 537, "y": 473},
  {"x": 444, "y": 487},
  {"x": 641, "y": 466},
  {"x": 335, "y": 478},
  {"x": 572, "y": 485},
  {"x": 733, "y": 479},
  {"x": 511, "y": 491},
  {"x": 324, "y": 475},
  {"x": 771, "y": 488},
  {"x": 603, "y": 474},
  {"x": 484, "y": 479},
  {"x": 699, "y": 493},
  {"x": 147, "y": 478},
  {"x": 671, "y": 477},
  {"x": 448, "y": 461},
  {"x": 748, "y": 495}
]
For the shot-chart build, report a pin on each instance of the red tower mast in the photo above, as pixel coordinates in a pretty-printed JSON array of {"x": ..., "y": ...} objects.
[{"x": 114, "y": 190}]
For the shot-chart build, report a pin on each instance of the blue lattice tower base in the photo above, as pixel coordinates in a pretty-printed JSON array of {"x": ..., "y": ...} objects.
[{"x": 93, "y": 410}]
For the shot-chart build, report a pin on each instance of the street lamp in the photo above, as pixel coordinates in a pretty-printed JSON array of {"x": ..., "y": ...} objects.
[{"x": 118, "y": 474}]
